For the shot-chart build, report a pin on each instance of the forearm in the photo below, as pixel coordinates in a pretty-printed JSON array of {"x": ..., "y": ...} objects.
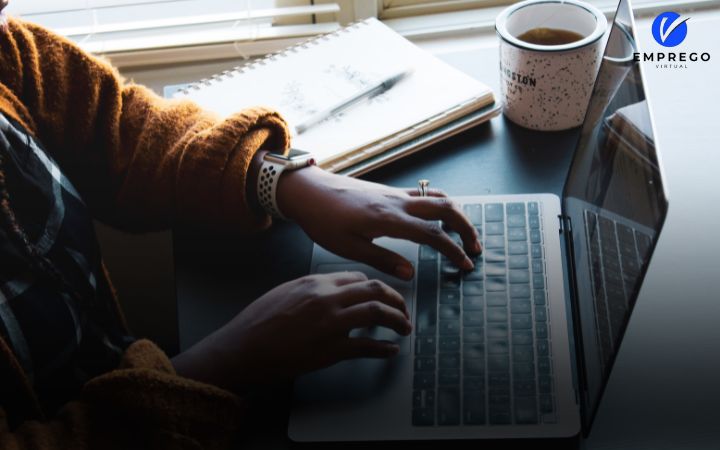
[{"x": 140, "y": 162}]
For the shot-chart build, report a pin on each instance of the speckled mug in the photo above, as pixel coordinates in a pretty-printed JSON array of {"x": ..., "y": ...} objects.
[{"x": 547, "y": 87}]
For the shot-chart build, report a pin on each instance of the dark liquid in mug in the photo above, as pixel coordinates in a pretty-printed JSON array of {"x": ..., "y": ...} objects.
[{"x": 550, "y": 36}]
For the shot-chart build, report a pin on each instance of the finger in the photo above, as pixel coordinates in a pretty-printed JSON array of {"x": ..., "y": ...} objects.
[
  {"x": 429, "y": 233},
  {"x": 345, "y": 278},
  {"x": 448, "y": 211},
  {"x": 431, "y": 192},
  {"x": 380, "y": 258},
  {"x": 352, "y": 348},
  {"x": 372, "y": 290},
  {"x": 372, "y": 314}
]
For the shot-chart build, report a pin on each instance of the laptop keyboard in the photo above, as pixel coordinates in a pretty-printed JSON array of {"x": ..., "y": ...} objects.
[
  {"x": 616, "y": 254},
  {"x": 482, "y": 339}
]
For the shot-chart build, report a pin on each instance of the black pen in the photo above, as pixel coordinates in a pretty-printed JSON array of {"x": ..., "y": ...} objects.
[{"x": 372, "y": 91}]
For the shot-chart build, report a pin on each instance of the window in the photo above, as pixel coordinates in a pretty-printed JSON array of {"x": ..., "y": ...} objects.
[{"x": 122, "y": 26}]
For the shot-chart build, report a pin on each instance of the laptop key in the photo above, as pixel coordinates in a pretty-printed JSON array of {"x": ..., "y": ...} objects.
[
  {"x": 497, "y": 330},
  {"x": 521, "y": 321},
  {"x": 537, "y": 266},
  {"x": 423, "y": 417},
  {"x": 538, "y": 281},
  {"x": 499, "y": 410},
  {"x": 424, "y": 364},
  {"x": 518, "y": 262},
  {"x": 515, "y": 208},
  {"x": 425, "y": 346},
  {"x": 476, "y": 274},
  {"x": 473, "y": 288},
  {"x": 496, "y": 299},
  {"x": 495, "y": 269},
  {"x": 533, "y": 208},
  {"x": 526, "y": 410},
  {"x": 473, "y": 350},
  {"x": 498, "y": 363},
  {"x": 474, "y": 407},
  {"x": 546, "y": 404},
  {"x": 536, "y": 251},
  {"x": 474, "y": 213},
  {"x": 494, "y": 255},
  {"x": 498, "y": 383},
  {"x": 495, "y": 284},
  {"x": 449, "y": 361},
  {"x": 517, "y": 248},
  {"x": 520, "y": 306},
  {"x": 541, "y": 330},
  {"x": 473, "y": 335},
  {"x": 497, "y": 314},
  {"x": 516, "y": 221},
  {"x": 519, "y": 276},
  {"x": 476, "y": 384},
  {"x": 540, "y": 314},
  {"x": 524, "y": 388},
  {"x": 497, "y": 345},
  {"x": 494, "y": 242},
  {"x": 522, "y": 337},
  {"x": 449, "y": 344},
  {"x": 448, "y": 377},
  {"x": 524, "y": 371},
  {"x": 473, "y": 303},
  {"x": 517, "y": 234},
  {"x": 474, "y": 367},
  {"x": 494, "y": 212},
  {"x": 534, "y": 222},
  {"x": 448, "y": 409},
  {"x": 426, "y": 302},
  {"x": 424, "y": 380},
  {"x": 449, "y": 312},
  {"x": 522, "y": 353},
  {"x": 544, "y": 366},
  {"x": 534, "y": 235},
  {"x": 449, "y": 327},
  {"x": 473, "y": 318},
  {"x": 539, "y": 296},
  {"x": 520, "y": 291},
  {"x": 544, "y": 384},
  {"x": 450, "y": 296},
  {"x": 494, "y": 228}
]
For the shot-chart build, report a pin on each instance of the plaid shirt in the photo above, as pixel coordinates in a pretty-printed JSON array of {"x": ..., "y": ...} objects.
[{"x": 59, "y": 342}]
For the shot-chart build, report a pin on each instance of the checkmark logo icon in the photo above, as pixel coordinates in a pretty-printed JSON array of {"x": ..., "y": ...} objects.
[{"x": 666, "y": 31}]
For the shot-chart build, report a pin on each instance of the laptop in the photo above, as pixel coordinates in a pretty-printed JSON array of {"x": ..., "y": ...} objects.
[{"x": 522, "y": 346}]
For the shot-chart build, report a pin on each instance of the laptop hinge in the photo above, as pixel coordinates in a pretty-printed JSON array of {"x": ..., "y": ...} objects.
[{"x": 566, "y": 230}]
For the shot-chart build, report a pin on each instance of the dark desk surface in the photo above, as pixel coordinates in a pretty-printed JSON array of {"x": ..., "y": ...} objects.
[{"x": 662, "y": 393}]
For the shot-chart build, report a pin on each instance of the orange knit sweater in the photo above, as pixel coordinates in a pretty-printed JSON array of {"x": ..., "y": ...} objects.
[{"x": 140, "y": 163}]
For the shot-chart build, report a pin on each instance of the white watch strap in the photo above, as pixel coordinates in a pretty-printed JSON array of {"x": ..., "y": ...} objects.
[{"x": 267, "y": 187}]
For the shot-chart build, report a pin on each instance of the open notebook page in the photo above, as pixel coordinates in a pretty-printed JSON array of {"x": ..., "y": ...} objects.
[{"x": 326, "y": 71}]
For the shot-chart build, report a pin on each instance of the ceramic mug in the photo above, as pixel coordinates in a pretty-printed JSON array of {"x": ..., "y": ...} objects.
[{"x": 547, "y": 87}]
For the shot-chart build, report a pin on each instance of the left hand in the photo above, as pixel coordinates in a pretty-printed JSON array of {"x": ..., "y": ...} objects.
[{"x": 345, "y": 215}]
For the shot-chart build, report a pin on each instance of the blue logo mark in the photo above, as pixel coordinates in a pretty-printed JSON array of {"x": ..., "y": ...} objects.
[{"x": 669, "y": 29}]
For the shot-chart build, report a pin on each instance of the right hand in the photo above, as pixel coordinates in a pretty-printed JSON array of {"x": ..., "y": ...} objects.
[{"x": 297, "y": 327}]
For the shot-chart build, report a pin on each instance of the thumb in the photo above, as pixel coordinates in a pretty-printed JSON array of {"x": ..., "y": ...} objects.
[{"x": 380, "y": 258}]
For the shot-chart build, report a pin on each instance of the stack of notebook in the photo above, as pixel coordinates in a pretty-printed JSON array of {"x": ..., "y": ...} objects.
[{"x": 433, "y": 102}]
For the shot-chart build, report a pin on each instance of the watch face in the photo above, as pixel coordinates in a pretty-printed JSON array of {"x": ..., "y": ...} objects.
[{"x": 295, "y": 153}]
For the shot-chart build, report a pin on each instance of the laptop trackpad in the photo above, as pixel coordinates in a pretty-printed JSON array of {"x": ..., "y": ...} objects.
[{"x": 405, "y": 288}]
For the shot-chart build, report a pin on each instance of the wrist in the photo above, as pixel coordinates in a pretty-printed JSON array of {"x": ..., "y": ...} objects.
[{"x": 292, "y": 183}]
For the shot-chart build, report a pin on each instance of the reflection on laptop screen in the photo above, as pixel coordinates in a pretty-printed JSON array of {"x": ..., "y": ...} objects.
[{"x": 616, "y": 203}]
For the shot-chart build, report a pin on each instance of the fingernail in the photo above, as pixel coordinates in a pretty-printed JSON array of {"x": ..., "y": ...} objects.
[
  {"x": 468, "y": 264},
  {"x": 477, "y": 248},
  {"x": 404, "y": 271},
  {"x": 408, "y": 328}
]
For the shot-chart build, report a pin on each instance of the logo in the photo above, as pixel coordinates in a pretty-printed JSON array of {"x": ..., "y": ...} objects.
[{"x": 669, "y": 29}]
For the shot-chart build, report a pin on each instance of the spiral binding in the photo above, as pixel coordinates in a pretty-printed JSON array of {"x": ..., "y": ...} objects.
[{"x": 238, "y": 70}]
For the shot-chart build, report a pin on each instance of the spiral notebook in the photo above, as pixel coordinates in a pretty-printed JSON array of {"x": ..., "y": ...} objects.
[{"x": 322, "y": 72}]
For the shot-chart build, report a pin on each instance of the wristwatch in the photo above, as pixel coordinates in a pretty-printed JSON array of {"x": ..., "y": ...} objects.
[{"x": 273, "y": 165}]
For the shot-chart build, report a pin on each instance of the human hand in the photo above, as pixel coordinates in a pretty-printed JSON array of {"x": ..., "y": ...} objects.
[
  {"x": 345, "y": 215},
  {"x": 299, "y": 326}
]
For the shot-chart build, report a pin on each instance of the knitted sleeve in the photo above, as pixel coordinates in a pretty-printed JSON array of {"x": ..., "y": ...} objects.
[
  {"x": 139, "y": 161},
  {"x": 142, "y": 404}
]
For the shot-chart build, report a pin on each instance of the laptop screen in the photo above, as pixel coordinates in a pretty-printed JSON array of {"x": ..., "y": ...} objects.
[{"x": 615, "y": 200}]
